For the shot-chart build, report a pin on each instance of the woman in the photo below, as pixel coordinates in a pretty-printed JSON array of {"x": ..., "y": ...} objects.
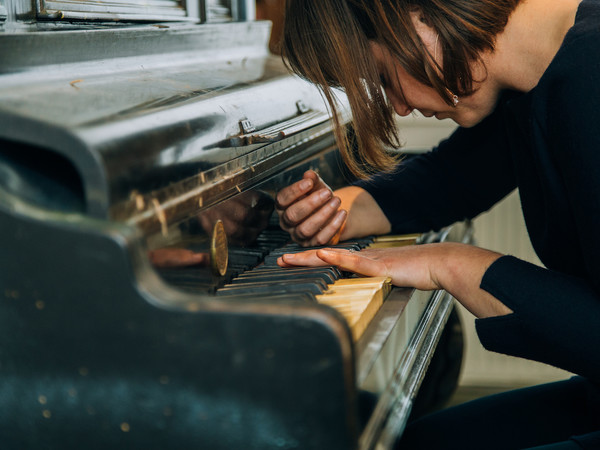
[{"x": 522, "y": 78}]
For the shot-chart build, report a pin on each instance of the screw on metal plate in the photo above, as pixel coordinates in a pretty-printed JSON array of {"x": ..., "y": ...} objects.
[
  {"x": 246, "y": 126},
  {"x": 302, "y": 108}
]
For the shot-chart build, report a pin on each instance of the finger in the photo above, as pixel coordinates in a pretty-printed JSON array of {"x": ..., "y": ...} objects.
[
  {"x": 352, "y": 262},
  {"x": 335, "y": 239},
  {"x": 337, "y": 224},
  {"x": 307, "y": 258},
  {"x": 318, "y": 182},
  {"x": 292, "y": 193},
  {"x": 304, "y": 208},
  {"x": 330, "y": 233},
  {"x": 317, "y": 221}
]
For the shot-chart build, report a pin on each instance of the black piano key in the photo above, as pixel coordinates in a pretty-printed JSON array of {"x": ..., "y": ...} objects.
[
  {"x": 305, "y": 297},
  {"x": 318, "y": 282},
  {"x": 236, "y": 269},
  {"x": 272, "y": 239},
  {"x": 275, "y": 233},
  {"x": 249, "y": 251},
  {"x": 282, "y": 278},
  {"x": 244, "y": 258},
  {"x": 270, "y": 289},
  {"x": 295, "y": 248},
  {"x": 355, "y": 241},
  {"x": 333, "y": 271},
  {"x": 283, "y": 275}
]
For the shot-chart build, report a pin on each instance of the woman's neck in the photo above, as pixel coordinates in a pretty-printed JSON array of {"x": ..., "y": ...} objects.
[{"x": 531, "y": 39}]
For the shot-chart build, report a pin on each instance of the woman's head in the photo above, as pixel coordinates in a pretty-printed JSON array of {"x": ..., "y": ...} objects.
[{"x": 370, "y": 48}]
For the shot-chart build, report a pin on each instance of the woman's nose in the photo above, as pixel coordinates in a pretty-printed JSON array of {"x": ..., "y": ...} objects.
[{"x": 401, "y": 108}]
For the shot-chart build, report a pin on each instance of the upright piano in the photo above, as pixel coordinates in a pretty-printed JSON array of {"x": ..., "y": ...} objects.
[{"x": 129, "y": 143}]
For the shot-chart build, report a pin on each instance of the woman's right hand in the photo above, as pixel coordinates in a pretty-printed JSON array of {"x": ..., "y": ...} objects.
[{"x": 310, "y": 212}]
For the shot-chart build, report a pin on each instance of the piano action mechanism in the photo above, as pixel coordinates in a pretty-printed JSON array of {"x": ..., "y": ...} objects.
[{"x": 177, "y": 140}]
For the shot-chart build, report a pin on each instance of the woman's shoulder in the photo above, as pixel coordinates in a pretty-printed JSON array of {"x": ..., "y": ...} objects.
[
  {"x": 564, "y": 103},
  {"x": 574, "y": 73},
  {"x": 583, "y": 39}
]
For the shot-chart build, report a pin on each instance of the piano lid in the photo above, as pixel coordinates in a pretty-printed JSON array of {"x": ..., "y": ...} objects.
[{"x": 167, "y": 110}]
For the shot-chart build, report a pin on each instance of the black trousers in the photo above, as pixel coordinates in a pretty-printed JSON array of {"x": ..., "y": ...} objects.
[{"x": 557, "y": 416}]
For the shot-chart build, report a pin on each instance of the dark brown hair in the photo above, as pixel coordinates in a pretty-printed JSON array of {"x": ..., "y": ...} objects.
[{"x": 328, "y": 43}]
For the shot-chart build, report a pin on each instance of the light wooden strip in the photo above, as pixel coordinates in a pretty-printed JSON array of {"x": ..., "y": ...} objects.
[
  {"x": 359, "y": 282},
  {"x": 391, "y": 244},
  {"x": 396, "y": 237},
  {"x": 357, "y": 299}
]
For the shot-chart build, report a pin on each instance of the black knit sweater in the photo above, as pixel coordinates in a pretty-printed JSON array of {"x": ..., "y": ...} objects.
[{"x": 547, "y": 143}]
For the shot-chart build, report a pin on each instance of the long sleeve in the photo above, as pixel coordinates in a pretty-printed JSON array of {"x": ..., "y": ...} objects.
[
  {"x": 557, "y": 312},
  {"x": 555, "y": 317},
  {"x": 464, "y": 176}
]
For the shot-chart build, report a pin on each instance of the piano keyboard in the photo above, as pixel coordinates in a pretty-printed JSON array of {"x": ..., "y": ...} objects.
[
  {"x": 253, "y": 271},
  {"x": 357, "y": 299}
]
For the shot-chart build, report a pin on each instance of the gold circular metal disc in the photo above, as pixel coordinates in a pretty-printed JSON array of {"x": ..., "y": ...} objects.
[{"x": 219, "y": 254}]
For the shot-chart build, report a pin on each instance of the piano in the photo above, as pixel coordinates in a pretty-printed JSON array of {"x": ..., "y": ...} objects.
[{"x": 128, "y": 138}]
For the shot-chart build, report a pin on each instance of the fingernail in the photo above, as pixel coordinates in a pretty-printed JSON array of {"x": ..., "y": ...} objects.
[
  {"x": 341, "y": 215},
  {"x": 335, "y": 202},
  {"x": 305, "y": 184},
  {"x": 324, "y": 194}
]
